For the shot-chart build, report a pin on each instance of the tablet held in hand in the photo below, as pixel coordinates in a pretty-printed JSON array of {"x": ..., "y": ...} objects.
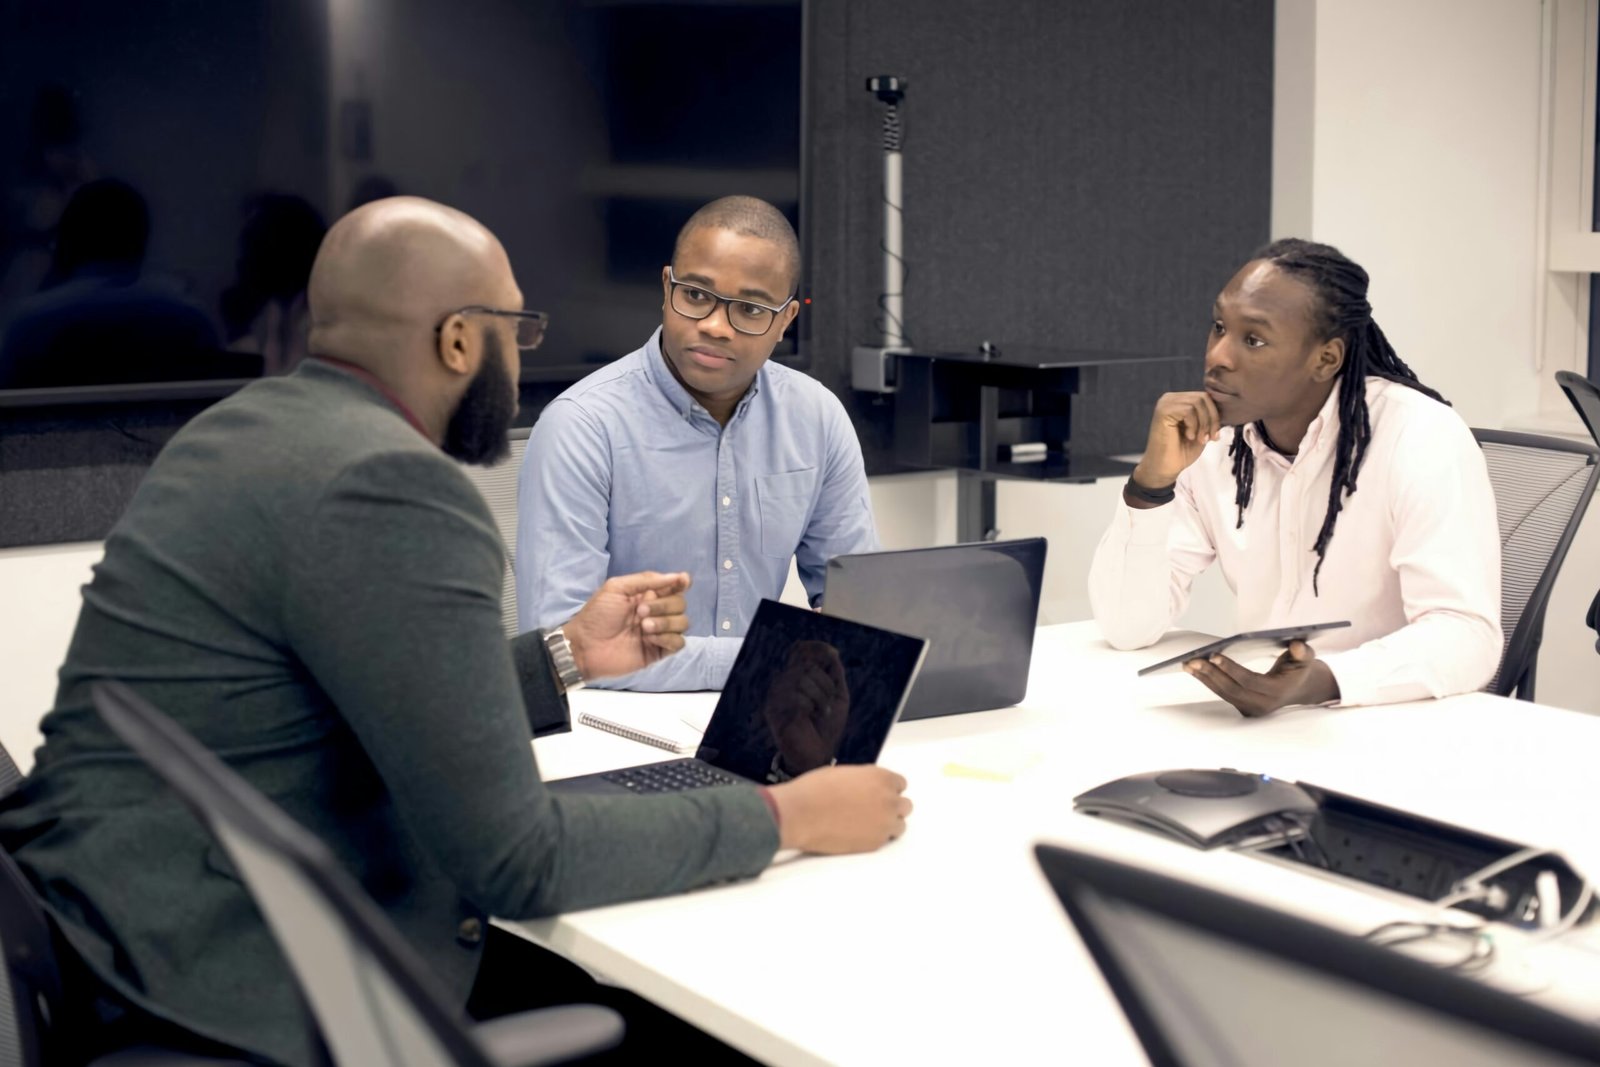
[{"x": 1242, "y": 646}]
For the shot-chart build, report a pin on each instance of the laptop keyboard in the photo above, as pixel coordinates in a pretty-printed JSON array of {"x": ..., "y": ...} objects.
[{"x": 674, "y": 776}]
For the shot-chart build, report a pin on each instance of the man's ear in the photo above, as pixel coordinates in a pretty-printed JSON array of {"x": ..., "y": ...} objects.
[
  {"x": 790, "y": 313},
  {"x": 457, "y": 346},
  {"x": 666, "y": 285},
  {"x": 1328, "y": 360}
]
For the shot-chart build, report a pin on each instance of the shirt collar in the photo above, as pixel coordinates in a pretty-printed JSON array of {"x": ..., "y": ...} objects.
[
  {"x": 655, "y": 360},
  {"x": 1323, "y": 430},
  {"x": 364, "y": 375}
]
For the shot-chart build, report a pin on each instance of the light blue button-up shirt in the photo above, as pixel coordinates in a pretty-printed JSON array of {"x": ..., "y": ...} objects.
[{"x": 626, "y": 472}]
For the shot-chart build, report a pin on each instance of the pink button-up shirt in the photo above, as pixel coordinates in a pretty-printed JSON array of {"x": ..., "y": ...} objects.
[{"x": 1414, "y": 562}]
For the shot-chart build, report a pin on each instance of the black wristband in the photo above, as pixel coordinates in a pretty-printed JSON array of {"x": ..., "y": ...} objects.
[{"x": 1151, "y": 496}]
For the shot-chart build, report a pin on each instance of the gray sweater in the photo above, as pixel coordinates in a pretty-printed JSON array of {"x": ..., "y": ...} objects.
[{"x": 311, "y": 588}]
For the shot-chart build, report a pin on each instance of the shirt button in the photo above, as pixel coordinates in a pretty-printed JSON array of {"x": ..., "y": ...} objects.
[
  {"x": 726, "y": 625},
  {"x": 727, "y": 564},
  {"x": 470, "y": 932},
  {"x": 726, "y": 501}
]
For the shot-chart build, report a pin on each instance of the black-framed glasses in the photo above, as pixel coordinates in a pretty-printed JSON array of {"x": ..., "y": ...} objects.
[
  {"x": 530, "y": 324},
  {"x": 747, "y": 316}
]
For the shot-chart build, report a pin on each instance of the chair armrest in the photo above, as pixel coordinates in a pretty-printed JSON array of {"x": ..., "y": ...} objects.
[
  {"x": 549, "y": 1035},
  {"x": 1592, "y": 620}
]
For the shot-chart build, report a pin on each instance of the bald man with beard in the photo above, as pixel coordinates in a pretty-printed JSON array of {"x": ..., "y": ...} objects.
[{"x": 308, "y": 583}]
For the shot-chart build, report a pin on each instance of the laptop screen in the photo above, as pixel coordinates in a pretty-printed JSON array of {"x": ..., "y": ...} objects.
[
  {"x": 808, "y": 690},
  {"x": 1212, "y": 982},
  {"x": 977, "y": 604}
]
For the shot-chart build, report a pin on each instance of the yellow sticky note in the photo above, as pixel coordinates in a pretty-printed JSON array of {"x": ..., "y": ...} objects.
[{"x": 999, "y": 768}]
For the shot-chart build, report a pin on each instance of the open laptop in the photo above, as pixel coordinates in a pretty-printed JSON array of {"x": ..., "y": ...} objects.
[
  {"x": 806, "y": 690},
  {"x": 1208, "y": 980},
  {"x": 977, "y": 604}
]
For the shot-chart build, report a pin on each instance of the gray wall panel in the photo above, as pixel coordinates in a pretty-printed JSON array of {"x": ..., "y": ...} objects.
[
  {"x": 67, "y": 474},
  {"x": 1083, "y": 175}
]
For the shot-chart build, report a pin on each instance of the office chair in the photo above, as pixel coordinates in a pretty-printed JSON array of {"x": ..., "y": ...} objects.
[
  {"x": 1591, "y": 619},
  {"x": 1542, "y": 486},
  {"x": 10, "y": 776},
  {"x": 1585, "y": 397},
  {"x": 498, "y": 484},
  {"x": 30, "y": 984},
  {"x": 374, "y": 1003},
  {"x": 28, "y": 981},
  {"x": 30, "y": 987}
]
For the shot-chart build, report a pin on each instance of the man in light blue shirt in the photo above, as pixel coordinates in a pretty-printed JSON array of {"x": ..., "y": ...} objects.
[{"x": 696, "y": 454}]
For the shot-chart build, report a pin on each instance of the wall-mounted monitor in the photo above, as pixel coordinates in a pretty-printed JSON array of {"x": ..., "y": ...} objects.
[{"x": 168, "y": 169}]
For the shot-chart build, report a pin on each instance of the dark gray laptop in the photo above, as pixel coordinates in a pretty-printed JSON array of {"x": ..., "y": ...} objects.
[
  {"x": 805, "y": 691},
  {"x": 1208, "y": 980},
  {"x": 976, "y": 604}
]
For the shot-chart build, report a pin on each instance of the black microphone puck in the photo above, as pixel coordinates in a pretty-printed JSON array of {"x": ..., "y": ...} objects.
[{"x": 1208, "y": 783}]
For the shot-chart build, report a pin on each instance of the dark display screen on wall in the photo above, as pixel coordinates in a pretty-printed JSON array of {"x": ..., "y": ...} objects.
[{"x": 167, "y": 168}]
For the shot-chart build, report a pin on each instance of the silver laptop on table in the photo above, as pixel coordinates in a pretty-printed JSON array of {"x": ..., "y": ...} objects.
[
  {"x": 805, "y": 691},
  {"x": 976, "y": 604}
]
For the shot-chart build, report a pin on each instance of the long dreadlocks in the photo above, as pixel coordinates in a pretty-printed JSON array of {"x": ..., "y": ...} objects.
[{"x": 1340, "y": 310}]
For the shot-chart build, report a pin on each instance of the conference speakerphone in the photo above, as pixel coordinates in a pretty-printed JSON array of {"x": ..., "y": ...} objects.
[
  {"x": 1204, "y": 808},
  {"x": 1350, "y": 837}
]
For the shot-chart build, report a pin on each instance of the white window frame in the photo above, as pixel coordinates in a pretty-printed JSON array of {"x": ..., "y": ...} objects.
[{"x": 1569, "y": 241}]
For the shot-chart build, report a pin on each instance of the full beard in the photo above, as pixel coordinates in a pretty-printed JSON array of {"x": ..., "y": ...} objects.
[{"x": 477, "y": 431}]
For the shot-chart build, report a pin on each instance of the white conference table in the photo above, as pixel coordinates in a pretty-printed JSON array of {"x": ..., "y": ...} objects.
[{"x": 948, "y": 946}]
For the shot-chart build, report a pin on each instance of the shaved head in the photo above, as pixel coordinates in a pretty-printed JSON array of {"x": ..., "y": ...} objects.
[
  {"x": 394, "y": 266},
  {"x": 383, "y": 288},
  {"x": 750, "y": 217}
]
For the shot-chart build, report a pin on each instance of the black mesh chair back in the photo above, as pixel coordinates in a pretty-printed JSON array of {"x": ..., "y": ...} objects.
[
  {"x": 498, "y": 484},
  {"x": 29, "y": 985},
  {"x": 1585, "y": 397},
  {"x": 1542, "y": 486},
  {"x": 1591, "y": 619},
  {"x": 373, "y": 1001},
  {"x": 10, "y": 776},
  {"x": 30, "y": 981}
]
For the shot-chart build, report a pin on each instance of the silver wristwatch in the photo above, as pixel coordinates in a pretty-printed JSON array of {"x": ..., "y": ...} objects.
[{"x": 566, "y": 668}]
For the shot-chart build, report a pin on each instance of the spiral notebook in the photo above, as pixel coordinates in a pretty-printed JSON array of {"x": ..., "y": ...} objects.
[{"x": 650, "y": 726}]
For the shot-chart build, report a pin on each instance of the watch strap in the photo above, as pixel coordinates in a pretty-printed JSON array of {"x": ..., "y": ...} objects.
[{"x": 561, "y": 659}]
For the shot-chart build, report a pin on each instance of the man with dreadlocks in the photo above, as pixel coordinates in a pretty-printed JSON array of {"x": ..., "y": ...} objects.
[{"x": 1305, "y": 402}]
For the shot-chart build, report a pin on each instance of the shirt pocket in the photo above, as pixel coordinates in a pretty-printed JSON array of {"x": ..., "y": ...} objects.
[{"x": 785, "y": 503}]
